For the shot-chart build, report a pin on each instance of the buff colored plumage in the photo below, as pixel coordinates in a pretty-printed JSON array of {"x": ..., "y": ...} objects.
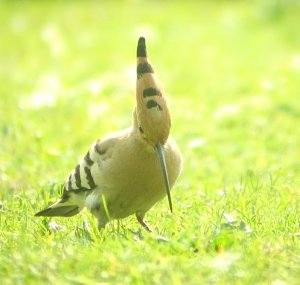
[{"x": 126, "y": 172}]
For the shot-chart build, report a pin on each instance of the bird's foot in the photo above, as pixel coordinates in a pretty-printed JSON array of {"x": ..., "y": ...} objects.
[
  {"x": 140, "y": 219},
  {"x": 101, "y": 226}
]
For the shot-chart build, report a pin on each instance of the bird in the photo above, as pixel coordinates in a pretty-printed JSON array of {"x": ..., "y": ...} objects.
[{"x": 126, "y": 172}]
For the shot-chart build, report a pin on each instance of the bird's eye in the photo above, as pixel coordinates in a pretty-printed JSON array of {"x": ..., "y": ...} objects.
[{"x": 141, "y": 129}]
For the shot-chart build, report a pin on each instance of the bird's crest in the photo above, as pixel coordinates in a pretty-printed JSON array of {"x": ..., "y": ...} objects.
[{"x": 152, "y": 111}]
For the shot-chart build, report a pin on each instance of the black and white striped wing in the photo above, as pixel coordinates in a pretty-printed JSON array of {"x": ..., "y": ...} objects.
[
  {"x": 79, "y": 184},
  {"x": 81, "y": 178}
]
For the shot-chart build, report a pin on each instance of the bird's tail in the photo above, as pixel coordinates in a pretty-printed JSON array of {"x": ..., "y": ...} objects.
[{"x": 59, "y": 209}]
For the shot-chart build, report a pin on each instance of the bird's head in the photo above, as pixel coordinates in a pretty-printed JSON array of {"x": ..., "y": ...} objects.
[
  {"x": 152, "y": 112},
  {"x": 152, "y": 117}
]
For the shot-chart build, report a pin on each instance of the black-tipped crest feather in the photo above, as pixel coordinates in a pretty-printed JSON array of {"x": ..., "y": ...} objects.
[{"x": 141, "y": 48}]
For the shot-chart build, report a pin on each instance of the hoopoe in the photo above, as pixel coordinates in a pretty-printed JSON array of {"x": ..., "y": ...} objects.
[{"x": 126, "y": 172}]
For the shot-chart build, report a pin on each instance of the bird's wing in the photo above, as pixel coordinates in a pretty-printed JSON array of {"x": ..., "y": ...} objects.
[{"x": 81, "y": 178}]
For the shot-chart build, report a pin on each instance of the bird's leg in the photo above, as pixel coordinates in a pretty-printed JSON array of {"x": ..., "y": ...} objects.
[
  {"x": 101, "y": 219},
  {"x": 140, "y": 218},
  {"x": 101, "y": 225}
]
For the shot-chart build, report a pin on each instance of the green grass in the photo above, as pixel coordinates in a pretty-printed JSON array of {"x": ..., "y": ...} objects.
[{"x": 231, "y": 70}]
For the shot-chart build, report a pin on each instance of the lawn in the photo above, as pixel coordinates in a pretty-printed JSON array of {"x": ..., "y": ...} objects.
[{"x": 231, "y": 71}]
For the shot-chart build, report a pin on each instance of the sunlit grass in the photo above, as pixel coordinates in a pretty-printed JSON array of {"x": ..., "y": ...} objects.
[{"x": 231, "y": 71}]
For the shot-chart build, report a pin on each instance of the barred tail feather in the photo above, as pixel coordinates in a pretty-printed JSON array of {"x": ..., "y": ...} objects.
[{"x": 59, "y": 209}]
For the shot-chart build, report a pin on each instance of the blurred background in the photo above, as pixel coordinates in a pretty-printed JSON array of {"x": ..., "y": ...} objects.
[{"x": 230, "y": 69}]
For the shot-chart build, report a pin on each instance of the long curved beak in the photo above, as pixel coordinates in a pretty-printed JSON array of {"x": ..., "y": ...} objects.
[{"x": 161, "y": 155}]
